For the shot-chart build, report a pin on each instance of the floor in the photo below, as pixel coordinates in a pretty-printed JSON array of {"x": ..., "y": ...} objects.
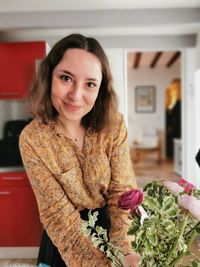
[
  {"x": 145, "y": 170},
  {"x": 148, "y": 169},
  {"x": 6, "y": 262}
]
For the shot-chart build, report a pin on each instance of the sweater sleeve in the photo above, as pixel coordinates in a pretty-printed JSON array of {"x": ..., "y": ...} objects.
[
  {"x": 58, "y": 215},
  {"x": 122, "y": 179}
]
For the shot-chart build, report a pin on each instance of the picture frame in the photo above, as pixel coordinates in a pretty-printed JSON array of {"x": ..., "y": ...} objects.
[{"x": 145, "y": 99}]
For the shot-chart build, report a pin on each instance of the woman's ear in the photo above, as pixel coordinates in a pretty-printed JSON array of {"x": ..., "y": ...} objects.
[{"x": 198, "y": 157}]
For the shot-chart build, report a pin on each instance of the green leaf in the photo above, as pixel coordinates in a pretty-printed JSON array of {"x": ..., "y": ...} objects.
[
  {"x": 92, "y": 218},
  {"x": 102, "y": 248},
  {"x": 195, "y": 264},
  {"x": 97, "y": 242},
  {"x": 152, "y": 203},
  {"x": 153, "y": 239},
  {"x": 169, "y": 206},
  {"x": 198, "y": 229},
  {"x": 134, "y": 245},
  {"x": 168, "y": 201},
  {"x": 102, "y": 232},
  {"x": 85, "y": 229},
  {"x": 173, "y": 211},
  {"x": 133, "y": 229},
  {"x": 109, "y": 254}
]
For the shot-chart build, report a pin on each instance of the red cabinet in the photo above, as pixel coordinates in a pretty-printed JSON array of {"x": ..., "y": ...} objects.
[
  {"x": 19, "y": 224},
  {"x": 17, "y": 67}
]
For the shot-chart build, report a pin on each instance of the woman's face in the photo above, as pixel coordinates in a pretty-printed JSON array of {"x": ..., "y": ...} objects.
[{"x": 75, "y": 84}]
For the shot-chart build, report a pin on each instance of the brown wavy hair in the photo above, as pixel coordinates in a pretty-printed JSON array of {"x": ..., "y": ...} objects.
[{"x": 105, "y": 107}]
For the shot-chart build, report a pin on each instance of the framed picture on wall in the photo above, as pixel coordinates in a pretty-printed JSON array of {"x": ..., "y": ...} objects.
[{"x": 145, "y": 99}]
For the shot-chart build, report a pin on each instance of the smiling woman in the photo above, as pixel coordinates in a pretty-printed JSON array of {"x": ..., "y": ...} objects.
[{"x": 76, "y": 154}]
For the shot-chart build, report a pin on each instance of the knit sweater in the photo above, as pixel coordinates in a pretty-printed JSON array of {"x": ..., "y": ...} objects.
[{"x": 66, "y": 180}]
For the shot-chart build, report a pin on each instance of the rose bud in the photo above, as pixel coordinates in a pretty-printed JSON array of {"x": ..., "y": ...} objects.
[
  {"x": 186, "y": 185},
  {"x": 130, "y": 200}
]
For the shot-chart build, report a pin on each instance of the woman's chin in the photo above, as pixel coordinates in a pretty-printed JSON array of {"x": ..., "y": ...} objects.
[{"x": 71, "y": 117}]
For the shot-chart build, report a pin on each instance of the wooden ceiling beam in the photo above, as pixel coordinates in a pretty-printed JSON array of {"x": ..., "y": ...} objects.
[
  {"x": 137, "y": 59},
  {"x": 173, "y": 59},
  {"x": 155, "y": 59}
]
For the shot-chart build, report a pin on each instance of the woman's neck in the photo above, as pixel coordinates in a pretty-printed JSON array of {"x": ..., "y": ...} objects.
[
  {"x": 70, "y": 127},
  {"x": 73, "y": 130}
]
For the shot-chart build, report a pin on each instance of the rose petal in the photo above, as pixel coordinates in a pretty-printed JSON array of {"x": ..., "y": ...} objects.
[
  {"x": 174, "y": 188},
  {"x": 185, "y": 201},
  {"x": 186, "y": 185},
  {"x": 194, "y": 208},
  {"x": 130, "y": 199},
  {"x": 191, "y": 204}
]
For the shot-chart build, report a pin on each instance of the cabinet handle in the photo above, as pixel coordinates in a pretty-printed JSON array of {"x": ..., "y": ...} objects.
[
  {"x": 12, "y": 178},
  {"x": 4, "y": 193},
  {"x": 9, "y": 93}
]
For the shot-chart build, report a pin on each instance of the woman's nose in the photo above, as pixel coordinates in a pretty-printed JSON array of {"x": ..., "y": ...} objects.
[{"x": 76, "y": 91}]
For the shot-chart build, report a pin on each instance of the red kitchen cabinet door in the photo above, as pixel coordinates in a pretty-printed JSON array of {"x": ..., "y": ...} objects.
[
  {"x": 14, "y": 179},
  {"x": 17, "y": 67},
  {"x": 19, "y": 219}
]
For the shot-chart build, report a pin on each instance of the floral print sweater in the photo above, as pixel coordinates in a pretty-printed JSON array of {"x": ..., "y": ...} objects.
[{"x": 67, "y": 180}]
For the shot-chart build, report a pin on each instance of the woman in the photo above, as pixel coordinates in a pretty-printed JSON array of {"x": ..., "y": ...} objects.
[{"x": 75, "y": 152}]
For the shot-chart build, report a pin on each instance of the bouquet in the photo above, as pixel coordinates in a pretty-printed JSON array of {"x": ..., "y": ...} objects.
[{"x": 165, "y": 220}]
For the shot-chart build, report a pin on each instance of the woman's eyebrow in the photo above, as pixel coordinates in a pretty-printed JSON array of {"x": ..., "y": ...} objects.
[{"x": 66, "y": 72}]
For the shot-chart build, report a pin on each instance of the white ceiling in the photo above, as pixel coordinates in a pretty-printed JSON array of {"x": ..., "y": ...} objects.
[
  {"x": 171, "y": 24},
  {"x": 47, "y": 5}
]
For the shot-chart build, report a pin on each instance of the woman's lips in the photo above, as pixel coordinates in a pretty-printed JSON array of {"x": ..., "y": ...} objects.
[{"x": 72, "y": 107}]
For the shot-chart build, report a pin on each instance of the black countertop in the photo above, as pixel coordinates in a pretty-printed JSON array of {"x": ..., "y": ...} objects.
[{"x": 12, "y": 169}]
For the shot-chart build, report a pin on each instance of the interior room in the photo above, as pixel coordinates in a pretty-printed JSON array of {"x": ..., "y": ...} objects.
[
  {"x": 154, "y": 111},
  {"x": 153, "y": 49}
]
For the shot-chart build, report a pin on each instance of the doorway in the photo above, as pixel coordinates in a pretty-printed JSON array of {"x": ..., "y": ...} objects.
[{"x": 150, "y": 77}]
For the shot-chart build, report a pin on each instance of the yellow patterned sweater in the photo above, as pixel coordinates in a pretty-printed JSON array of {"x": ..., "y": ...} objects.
[{"x": 66, "y": 180}]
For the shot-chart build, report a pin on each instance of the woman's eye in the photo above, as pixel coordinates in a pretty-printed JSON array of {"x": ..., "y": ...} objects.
[
  {"x": 91, "y": 85},
  {"x": 65, "y": 78}
]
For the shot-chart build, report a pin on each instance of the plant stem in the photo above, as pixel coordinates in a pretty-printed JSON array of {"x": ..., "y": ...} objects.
[
  {"x": 182, "y": 229},
  {"x": 192, "y": 229},
  {"x": 188, "y": 243}
]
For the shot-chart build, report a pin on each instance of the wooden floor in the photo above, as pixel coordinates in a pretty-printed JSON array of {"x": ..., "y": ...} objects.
[
  {"x": 148, "y": 169},
  {"x": 7, "y": 262},
  {"x": 145, "y": 170}
]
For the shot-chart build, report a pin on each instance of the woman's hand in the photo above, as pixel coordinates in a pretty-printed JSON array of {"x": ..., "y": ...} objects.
[{"x": 131, "y": 260}]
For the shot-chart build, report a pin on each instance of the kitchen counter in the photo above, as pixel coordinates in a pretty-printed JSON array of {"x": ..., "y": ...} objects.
[{"x": 12, "y": 169}]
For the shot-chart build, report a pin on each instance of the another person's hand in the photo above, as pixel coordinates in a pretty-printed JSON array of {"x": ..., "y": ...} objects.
[{"x": 131, "y": 260}]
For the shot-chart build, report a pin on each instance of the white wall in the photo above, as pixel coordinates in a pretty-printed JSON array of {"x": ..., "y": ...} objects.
[
  {"x": 198, "y": 50},
  {"x": 160, "y": 78},
  {"x": 189, "y": 124},
  {"x": 197, "y": 123},
  {"x": 118, "y": 68}
]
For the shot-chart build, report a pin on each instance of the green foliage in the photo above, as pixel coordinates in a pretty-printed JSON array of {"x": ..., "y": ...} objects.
[
  {"x": 164, "y": 237},
  {"x": 100, "y": 240}
]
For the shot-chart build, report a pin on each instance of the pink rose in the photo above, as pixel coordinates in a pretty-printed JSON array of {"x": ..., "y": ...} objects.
[
  {"x": 191, "y": 204},
  {"x": 185, "y": 201},
  {"x": 130, "y": 200},
  {"x": 195, "y": 209},
  {"x": 186, "y": 185},
  {"x": 174, "y": 188}
]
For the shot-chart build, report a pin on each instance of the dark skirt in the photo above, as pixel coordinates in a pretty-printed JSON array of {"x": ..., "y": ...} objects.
[{"x": 49, "y": 254}]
